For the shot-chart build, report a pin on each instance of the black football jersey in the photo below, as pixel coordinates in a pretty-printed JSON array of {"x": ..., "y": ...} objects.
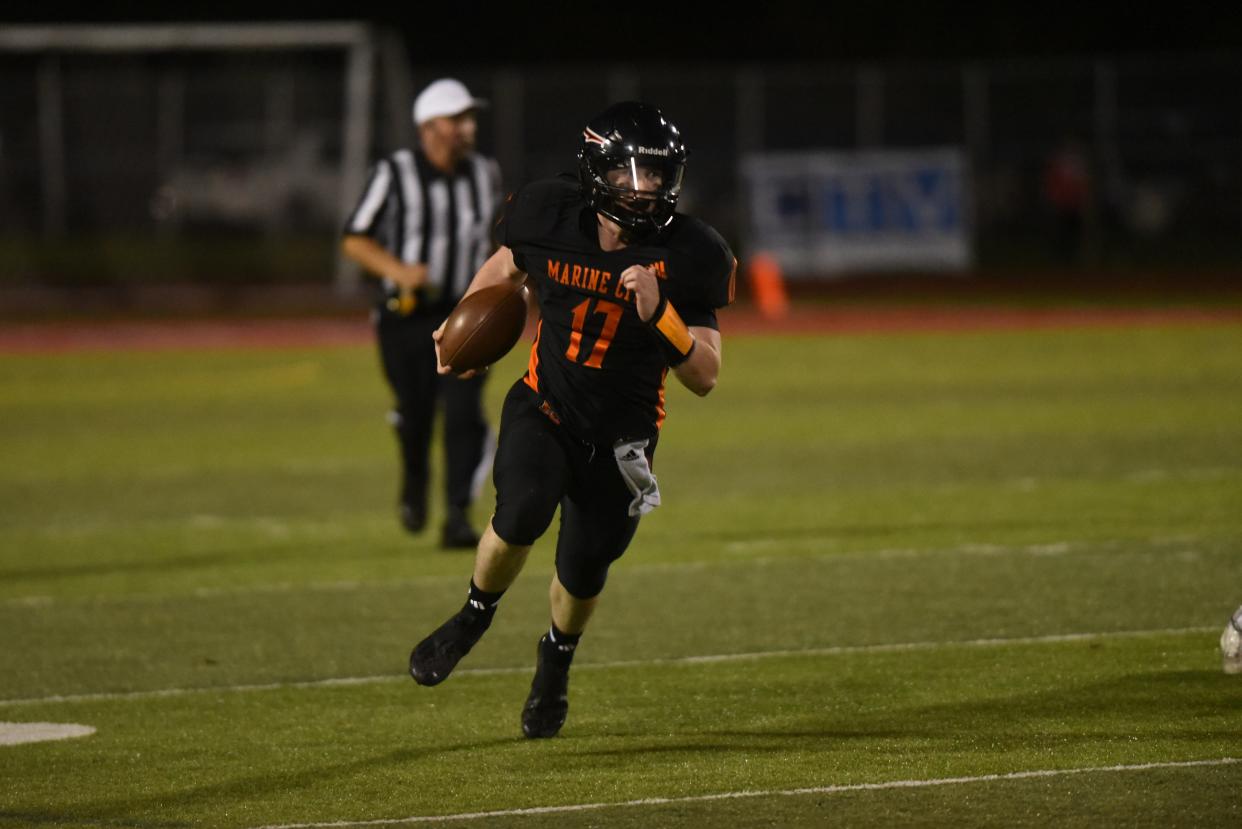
[{"x": 598, "y": 367}]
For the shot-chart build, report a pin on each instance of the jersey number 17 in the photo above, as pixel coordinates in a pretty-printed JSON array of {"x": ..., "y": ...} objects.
[{"x": 612, "y": 318}]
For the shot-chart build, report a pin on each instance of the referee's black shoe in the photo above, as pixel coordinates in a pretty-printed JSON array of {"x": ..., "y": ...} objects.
[
  {"x": 548, "y": 703},
  {"x": 457, "y": 534},
  {"x": 434, "y": 658},
  {"x": 413, "y": 517}
]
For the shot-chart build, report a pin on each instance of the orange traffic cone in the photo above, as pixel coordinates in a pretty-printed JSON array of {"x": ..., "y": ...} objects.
[{"x": 767, "y": 286}]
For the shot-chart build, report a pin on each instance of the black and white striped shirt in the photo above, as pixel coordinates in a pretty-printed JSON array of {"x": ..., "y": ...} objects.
[{"x": 421, "y": 214}]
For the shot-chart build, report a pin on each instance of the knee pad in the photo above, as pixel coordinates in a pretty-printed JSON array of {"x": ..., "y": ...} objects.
[
  {"x": 523, "y": 519},
  {"x": 590, "y": 541},
  {"x": 583, "y": 578}
]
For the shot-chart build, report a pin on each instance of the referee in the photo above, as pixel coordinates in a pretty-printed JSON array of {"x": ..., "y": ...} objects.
[{"x": 423, "y": 228}]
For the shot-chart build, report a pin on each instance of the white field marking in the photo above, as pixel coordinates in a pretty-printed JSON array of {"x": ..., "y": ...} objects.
[
  {"x": 733, "y": 547},
  {"x": 206, "y": 521},
  {"x": 1057, "y": 549},
  {"x": 835, "y": 650},
  {"x": 704, "y": 798},
  {"x": 1106, "y": 546},
  {"x": 1204, "y": 473},
  {"x": 888, "y": 553},
  {"x": 17, "y": 733},
  {"x": 30, "y": 601},
  {"x": 342, "y": 586},
  {"x": 738, "y": 548}
]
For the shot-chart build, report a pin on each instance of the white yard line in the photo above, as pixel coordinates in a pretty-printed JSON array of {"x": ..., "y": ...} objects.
[
  {"x": 734, "y": 549},
  {"x": 836, "y": 650},
  {"x": 815, "y": 790}
]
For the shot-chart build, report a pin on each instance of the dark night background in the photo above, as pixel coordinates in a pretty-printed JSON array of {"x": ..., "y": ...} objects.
[{"x": 560, "y": 31}]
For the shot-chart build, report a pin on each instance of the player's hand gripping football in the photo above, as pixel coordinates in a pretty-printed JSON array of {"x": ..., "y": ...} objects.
[
  {"x": 646, "y": 287},
  {"x": 441, "y": 368}
]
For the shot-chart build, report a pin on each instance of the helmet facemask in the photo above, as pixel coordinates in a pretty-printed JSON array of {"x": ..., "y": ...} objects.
[{"x": 637, "y": 192}]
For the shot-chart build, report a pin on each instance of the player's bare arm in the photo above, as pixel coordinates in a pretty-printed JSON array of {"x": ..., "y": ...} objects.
[
  {"x": 371, "y": 255},
  {"x": 498, "y": 269},
  {"x": 701, "y": 369},
  {"x": 495, "y": 271}
]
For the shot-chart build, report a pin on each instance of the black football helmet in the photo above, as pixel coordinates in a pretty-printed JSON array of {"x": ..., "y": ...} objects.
[{"x": 624, "y": 145}]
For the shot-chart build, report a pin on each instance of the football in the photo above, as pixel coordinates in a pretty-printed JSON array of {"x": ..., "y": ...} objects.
[{"x": 483, "y": 327}]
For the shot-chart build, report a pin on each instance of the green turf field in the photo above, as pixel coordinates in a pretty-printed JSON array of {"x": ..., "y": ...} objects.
[{"x": 896, "y": 579}]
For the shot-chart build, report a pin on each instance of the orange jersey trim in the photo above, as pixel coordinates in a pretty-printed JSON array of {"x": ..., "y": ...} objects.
[
  {"x": 660, "y": 411},
  {"x": 532, "y": 366}
]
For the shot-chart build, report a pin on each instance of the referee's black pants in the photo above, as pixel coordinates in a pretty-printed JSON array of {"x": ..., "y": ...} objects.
[{"x": 409, "y": 359}]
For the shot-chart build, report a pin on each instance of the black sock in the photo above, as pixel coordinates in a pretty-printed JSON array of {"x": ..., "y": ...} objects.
[
  {"x": 561, "y": 645},
  {"x": 481, "y": 600}
]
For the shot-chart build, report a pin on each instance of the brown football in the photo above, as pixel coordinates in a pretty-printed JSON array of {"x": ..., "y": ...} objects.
[{"x": 483, "y": 327}]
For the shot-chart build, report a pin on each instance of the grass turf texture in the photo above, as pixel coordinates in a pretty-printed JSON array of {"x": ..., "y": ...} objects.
[{"x": 206, "y": 519}]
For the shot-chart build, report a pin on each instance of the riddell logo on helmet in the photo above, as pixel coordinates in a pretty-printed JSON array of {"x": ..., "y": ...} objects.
[{"x": 653, "y": 151}]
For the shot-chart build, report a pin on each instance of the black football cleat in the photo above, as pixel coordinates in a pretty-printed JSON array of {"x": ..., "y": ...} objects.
[
  {"x": 434, "y": 658},
  {"x": 548, "y": 702}
]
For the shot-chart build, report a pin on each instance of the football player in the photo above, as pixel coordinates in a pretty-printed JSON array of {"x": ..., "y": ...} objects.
[{"x": 628, "y": 291}]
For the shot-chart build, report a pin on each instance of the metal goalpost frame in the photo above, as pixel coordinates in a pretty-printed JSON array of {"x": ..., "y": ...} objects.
[{"x": 356, "y": 38}]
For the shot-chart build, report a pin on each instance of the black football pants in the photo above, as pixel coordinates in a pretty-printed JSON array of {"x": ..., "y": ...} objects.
[{"x": 539, "y": 467}]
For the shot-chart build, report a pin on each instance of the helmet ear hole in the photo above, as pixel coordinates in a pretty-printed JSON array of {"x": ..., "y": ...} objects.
[{"x": 636, "y": 137}]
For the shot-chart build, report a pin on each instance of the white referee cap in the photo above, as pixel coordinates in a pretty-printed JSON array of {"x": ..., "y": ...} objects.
[{"x": 447, "y": 96}]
